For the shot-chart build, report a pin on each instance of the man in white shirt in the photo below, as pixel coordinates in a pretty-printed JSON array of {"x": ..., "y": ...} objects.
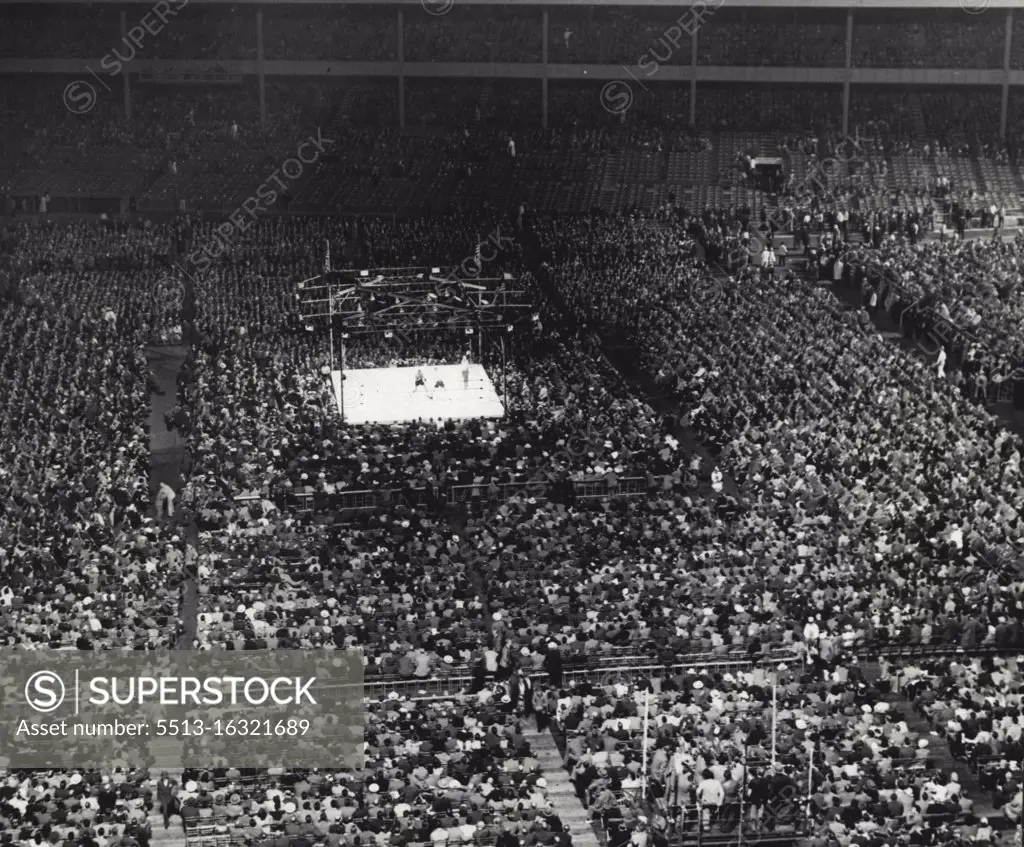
[
  {"x": 710, "y": 796},
  {"x": 491, "y": 661},
  {"x": 811, "y": 633},
  {"x": 165, "y": 498}
]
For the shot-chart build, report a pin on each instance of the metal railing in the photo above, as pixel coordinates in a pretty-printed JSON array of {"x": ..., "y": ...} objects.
[
  {"x": 306, "y": 499},
  {"x": 217, "y": 832}
]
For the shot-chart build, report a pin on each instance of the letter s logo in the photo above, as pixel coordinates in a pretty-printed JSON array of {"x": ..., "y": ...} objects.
[{"x": 45, "y": 691}]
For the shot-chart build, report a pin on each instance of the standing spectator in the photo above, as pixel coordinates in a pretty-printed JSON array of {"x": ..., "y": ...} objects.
[
  {"x": 541, "y": 709},
  {"x": 812, "y": 633},
  {"x": 167, "y": 797},
  {"x": 716, "y": 481},
  {"x": 758, "y": 791},
  {"x": 710, "y": 796},
  {"x": 165, "y": 498},
  {"x": 520, "y": 689},
  {"x": 553, "y": 665}
]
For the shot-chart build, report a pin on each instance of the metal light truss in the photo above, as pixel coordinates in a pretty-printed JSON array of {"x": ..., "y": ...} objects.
[{"x": 405, "y": 299}]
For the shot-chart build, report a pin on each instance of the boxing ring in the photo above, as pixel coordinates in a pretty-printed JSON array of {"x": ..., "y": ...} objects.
[{"x": 390, "y": 395}]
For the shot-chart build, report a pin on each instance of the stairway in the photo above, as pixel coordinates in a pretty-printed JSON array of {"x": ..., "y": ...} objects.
[
  {"x": 920, "y": 127},
  {"x": 484, "y": 100},
  {"x": 160, "y": 837},
  {"x": 1018, "y": 178},
  {"x": 983, "y": 184},
  {"x": 165, "y": 751},
  {"x": 567, "y": 805}
]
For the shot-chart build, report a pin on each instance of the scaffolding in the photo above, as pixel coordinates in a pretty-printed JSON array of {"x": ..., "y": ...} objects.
[{"x": 406, "y": 302}]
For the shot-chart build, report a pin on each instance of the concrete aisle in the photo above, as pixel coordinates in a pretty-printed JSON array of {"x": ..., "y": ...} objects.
[
  {"x": 167, "y": 449},
  {"x": 169, "y": 462},
  {"x": 567, "y": 805},
  {"x": 165, "y": 751}
]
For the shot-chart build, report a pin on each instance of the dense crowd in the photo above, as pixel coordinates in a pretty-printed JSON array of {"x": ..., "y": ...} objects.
[
  {"x": 75, "y": 440},
  {"x": 464, "y": 775},
  {"x": 714, "y": 753},
  {"x": 969, "y": 285},
  {"x": 338, "y": 32},
  {"x": 944, "y": 39},
  {"x": 439, "y": 33},
  {"x": 83, "y": 564},
  {"x": 845, "y": 456}
]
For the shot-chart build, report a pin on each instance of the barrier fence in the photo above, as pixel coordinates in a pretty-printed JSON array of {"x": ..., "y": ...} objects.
[
  {"x": 216, "y": 831},
  {"x": 615, "y": 670},
  {"x": 349, "y": 503}
]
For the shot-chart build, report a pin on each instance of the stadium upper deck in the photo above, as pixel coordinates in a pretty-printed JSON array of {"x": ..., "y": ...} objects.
[{"x": 951, "y": 42}]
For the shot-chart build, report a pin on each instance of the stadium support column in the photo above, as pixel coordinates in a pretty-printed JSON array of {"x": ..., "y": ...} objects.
[
  {"x": 693, "y": 76},
  {"x": 544, "y": 76},
  {"x": 125, "y": 85},
  {"x": 401, "y": 69},
  {"x": 341, "y": 381},
  {"x": 643, "y": 766},
  {"x": 260, "y": 69},
  {"x": 846, "y": 75},
  {"x": 1007, "y": 48},
  {"x": 504, "y": 382}
]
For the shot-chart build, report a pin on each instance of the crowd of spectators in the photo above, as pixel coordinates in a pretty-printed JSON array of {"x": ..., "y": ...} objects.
[
  {"x": 474, "y": 34},
  {"x": 338, "y": 32},
  {"x": 451, "y": 770},
  {"x": 195, "y": 32},
  {"x": 607, "y": 35},
  {"x": 849, "y": 454},
  {"x": 83, "y": 564},
  {"x": 77, "y": 808},
  {"x": 755, "y": 37},
  {"x": 592, "y": 35},
  {"x": 975, "y": 705},
  {"x": 768, "y": 108},
  {"x": 971, "y": 284},
  {"x": 75, "y": 442},
  {"x": 30, "y": 31},
  {"x": 290, "y": 443},
  {"x": 758, "y": 436},
  {"x": 716, "y": 753},
  {"x": 945, "y": 38},
  {"x": 469, "y": 143}
]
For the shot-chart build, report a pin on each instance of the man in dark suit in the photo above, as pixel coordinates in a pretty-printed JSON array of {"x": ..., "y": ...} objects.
[
  {"x": 521, "y": 690},
  {"x": 553, "y": 665},
  {"x": 167, "y": 797}
]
